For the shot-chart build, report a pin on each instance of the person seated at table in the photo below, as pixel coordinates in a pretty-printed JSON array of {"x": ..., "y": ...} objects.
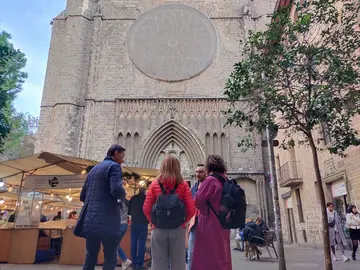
[
  {"x": 57, "y": 217},
  {"x": 12, "y": 218},
  {"x": 72, "y": 215},
  {"x": 43, "y": 218}
]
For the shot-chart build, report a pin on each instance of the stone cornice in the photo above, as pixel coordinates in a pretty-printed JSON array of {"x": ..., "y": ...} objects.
[
  {"x": 340, "y": 175},
  {"x": 174, "y": 99},
  {"x": 119, "y": 100},
  {"x": 91, "y": 18}
]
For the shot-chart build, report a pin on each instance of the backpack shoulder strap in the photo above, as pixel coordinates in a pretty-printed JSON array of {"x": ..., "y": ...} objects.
[
  {"x": 212, "y": 209},
  {"x": 219, "y": 177},
  {"x": 174, "y": 189},
  {"x": 163, "y": 190},
  {"x": 222, "y": 180}
]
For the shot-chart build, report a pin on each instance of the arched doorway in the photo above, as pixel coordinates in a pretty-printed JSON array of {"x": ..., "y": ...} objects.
[{"x": 172, "y": 139}]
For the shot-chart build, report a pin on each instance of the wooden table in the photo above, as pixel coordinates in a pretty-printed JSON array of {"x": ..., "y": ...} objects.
[
  {"x": 19, "y": 246},
  {"x": 73, "y": 249},
  {"x": 23, "y": 245},
  {"x": 5, "y": 236}
]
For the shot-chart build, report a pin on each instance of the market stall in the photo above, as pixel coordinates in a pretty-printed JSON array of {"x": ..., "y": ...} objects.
[{"x": 37, "y": 188}]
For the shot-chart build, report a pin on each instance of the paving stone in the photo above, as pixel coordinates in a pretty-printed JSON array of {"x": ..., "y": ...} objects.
[{"x": 297, "y": 258}]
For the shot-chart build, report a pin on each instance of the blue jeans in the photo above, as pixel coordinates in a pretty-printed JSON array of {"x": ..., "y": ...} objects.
[
  {"x": 110, "y": 246},
  {"x": 191, "y": 242},
  {"x": 121, "y": 253},
  {"x": 138, "y": 243}
]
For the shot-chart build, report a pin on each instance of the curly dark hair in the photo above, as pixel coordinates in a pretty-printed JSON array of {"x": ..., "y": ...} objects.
[{"x": 215, "y": 164}]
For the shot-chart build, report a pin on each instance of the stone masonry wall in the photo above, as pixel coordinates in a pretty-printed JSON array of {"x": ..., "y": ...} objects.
[
  {"x": 90, "y": 80},
  {"x": 104, "y": 128},
  {"x": 88, "y": 61}
]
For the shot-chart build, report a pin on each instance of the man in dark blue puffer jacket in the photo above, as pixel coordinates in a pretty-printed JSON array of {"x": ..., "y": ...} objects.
[{"x": 100, "y": 219}]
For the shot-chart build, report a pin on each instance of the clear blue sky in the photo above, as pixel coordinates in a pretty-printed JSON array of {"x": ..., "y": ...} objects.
[{"x": 28, "y": 21}]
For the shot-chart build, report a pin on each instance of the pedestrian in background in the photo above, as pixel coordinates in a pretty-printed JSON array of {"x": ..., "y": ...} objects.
[
  {"x": 200, "y": 175},
  {"x": 336, "y": 232},
  {"x": 353, "y": 222},
  {"x": 139, "y": 229},
  {"x": 124, "y": 204}
]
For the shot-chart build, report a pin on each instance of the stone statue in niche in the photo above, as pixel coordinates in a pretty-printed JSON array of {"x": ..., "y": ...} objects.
[
  {"x": 174, "y": 150},
  {"x": 247, "y": 18},
  {"x": 173, "y": 112},
  {"x": 247, "y": 10}
]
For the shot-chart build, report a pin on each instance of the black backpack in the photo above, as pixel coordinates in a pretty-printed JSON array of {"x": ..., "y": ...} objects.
[
  {"x": 232, "y": 212},
  {"x": 168, "y": 212}
]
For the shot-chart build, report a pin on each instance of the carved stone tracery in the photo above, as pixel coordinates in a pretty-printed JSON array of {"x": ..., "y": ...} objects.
[{"x": 196, "y": 126}]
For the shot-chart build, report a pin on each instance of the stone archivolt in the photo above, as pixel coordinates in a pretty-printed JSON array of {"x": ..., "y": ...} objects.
[{"x": 171, "y": 132}]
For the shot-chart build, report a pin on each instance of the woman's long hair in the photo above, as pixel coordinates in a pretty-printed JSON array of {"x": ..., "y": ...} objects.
[
  {"x": 170, "y": 171},
  {"x": 350, "y": 208}
]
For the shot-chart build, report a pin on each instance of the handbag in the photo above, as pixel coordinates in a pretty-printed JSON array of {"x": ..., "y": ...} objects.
[
  {"x": 332, "y": 223},
  {"x": 78, "y": 230}
]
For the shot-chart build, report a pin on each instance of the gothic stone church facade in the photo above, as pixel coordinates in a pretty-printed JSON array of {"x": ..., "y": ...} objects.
[{"x": 150, "y": 75}]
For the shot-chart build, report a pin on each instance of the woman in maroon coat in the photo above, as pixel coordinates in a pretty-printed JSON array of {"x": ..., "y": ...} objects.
[{"x": 212, "y": 242}]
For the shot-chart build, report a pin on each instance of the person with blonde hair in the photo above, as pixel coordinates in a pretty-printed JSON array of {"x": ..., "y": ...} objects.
[{"x": 168, "y": 206}]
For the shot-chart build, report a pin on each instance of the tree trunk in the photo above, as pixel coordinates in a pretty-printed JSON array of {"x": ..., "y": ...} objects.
[
  {"x": 275, "y": 193},
  {"x": 324, "y": 220}
]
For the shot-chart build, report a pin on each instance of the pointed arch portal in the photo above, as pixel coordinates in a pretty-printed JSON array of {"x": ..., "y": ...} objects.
[{"x": 172, "y": 132}]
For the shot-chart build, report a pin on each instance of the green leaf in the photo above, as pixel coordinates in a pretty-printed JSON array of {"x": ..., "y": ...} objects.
[
  {"x": 12, "y": 61},
  {"x": 299, "y": 74}
]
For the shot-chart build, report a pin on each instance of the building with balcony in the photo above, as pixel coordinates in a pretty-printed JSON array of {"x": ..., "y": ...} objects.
[
  {"x": 298, "y": 189},
  {"x": 289, "y": 174}
]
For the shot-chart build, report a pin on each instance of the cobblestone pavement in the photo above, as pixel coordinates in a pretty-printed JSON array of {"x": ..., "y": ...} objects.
[{"x": 297, "y": 259}]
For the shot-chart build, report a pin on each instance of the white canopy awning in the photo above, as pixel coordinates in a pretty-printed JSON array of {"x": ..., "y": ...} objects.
[
  {"x": 11, "y": 171},
  {"x": 46, "y": 163}
]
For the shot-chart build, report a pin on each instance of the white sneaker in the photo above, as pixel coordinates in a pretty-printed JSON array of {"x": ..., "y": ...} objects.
[
  {"x": 335, "y": 259},
  {"x": 345, "y": 259},
  {"x": 125, "y": 265}
]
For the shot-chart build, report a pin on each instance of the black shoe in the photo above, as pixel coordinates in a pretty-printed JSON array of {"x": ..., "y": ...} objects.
[{"x": 354, "y": 256}]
